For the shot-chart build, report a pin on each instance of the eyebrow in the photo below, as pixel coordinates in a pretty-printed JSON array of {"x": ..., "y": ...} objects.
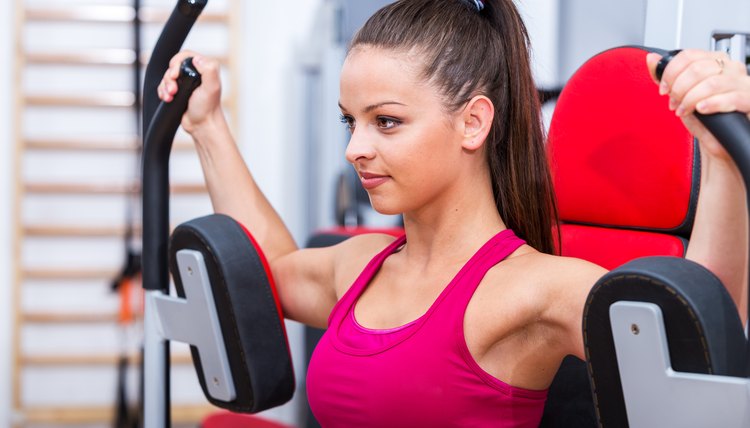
[{"x": 374, "y": 106}]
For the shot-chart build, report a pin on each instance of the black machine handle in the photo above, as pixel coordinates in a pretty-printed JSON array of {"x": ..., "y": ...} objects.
[
  {"x": 175, "y": 31},
  {"x": 733, "y": 132},
  {"x": 156, "y": 151},
  {"x": 157, "y": 142},
  {"x": 160, "y": 123}
]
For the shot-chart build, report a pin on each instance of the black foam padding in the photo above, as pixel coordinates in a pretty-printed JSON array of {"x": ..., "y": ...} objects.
[
  {"x": 703, "y": 328},
  {"x": 254, "y": 336},
  {"x": 570, "y": 403}
]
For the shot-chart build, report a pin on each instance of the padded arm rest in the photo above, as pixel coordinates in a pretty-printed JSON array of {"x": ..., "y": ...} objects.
[
  {"x": 703, "y": 329},
  {"x": 248, "y": 310}
]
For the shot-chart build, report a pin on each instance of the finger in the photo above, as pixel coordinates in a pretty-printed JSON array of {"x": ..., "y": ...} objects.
[
  {"x": 708, "y": 87},
  {"x": 169, "y": 83},
  {"x": 681, "y": 62},
  {"x": 206, "y": 66},
  {"x": 163, "y": 92},
  {"x": 159, "y": 91},
  {"x": 725, "y": 103},
  {"x": 676, "y": 65},
  {"x": 707, "y": 67},
  {"x": 733, "y": 85}
]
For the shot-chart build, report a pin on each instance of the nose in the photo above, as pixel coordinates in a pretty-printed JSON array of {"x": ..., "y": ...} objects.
[{"x": 359, "y": 148}]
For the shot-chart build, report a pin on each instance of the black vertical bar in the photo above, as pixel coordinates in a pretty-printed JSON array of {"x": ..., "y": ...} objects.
[{"x": 157, "y": 144}]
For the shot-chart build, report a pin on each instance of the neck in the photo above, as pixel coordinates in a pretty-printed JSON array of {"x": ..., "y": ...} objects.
[{"x": 452, "y": 230}]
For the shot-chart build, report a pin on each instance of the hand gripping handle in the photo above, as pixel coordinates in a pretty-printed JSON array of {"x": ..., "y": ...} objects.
[{"x": 156, "y": 149}]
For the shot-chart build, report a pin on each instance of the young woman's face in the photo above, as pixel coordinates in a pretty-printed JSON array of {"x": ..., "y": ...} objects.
[{"x": 404, "y": 145}]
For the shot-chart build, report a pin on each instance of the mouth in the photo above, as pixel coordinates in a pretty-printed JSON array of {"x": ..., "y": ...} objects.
[{"x": 371, "y": 181}]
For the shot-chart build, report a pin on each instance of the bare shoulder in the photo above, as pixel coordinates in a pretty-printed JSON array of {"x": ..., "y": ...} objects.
[
  {"x": 553, "y": 288},
  {"x": 353, "y": 255},
  {"x": 559, "y": 273}
]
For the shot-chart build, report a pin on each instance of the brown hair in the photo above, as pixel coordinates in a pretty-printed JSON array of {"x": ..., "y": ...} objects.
[{"x": 467, "y": 52}]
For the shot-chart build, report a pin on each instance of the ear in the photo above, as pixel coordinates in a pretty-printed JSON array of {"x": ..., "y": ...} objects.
[{"x": 477, "y": 120}]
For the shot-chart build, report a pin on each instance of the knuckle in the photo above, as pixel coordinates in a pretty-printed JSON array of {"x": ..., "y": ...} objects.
[{"x": 713, "y": 83}]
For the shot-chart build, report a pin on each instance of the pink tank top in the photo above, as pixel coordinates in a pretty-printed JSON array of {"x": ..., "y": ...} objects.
[{"x": 420, "y": 374}]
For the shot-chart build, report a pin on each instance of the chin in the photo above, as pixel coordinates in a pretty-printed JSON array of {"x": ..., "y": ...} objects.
[{"x": 386, "y": 207}]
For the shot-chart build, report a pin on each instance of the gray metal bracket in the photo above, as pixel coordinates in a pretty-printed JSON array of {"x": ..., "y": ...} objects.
[
  {"x": 193, "y": 320},
  {"x": 656, "y": 395}
]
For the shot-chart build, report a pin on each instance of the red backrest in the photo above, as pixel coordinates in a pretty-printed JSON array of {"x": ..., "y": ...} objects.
[{"x": 625, "y": 169}]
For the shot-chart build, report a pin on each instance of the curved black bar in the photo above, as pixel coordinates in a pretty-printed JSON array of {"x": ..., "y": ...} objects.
[
  {"x": 156, "y": 149},
  {"x": 733, "y": 132},
  {"x": 169, "y": 43}
]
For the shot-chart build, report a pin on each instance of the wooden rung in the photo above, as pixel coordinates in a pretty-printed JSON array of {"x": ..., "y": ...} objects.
[
  {"x": 87, "y": 57},
  {"x": 181, "y": 414},
  {"x": 92, "y": 13},
  {"x": 74, "y": 188},
  {"x": 113, "y": 56},
  {"x": 160, "y": 15},
  {"x": 88, "y": 360},
  {"x": 68, "y": 274},
  {"x": 79, "y": 231},
  {"x": 70, "y": 318},
  {"x": 112, "y": 13},
  {"x": 114, "y": 142},
  {"x": 105, "y": 189},
  {"x": 109, "y": 143},
  {"x": 223, "y": 59},
  {"x": 105, "y": 99}
]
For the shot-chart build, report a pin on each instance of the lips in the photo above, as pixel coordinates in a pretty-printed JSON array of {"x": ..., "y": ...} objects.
[{"x": 371, "y": 181}]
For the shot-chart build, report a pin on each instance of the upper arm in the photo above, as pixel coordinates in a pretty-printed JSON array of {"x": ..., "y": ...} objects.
[
  {"x": 304, "y": 281},
  {"x": 570, "y": 282}
]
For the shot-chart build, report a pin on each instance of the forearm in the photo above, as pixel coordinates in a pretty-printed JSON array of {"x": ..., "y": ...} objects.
[
  {"x": 719, "y": 240},
  {"x": 233, "y": 190}
]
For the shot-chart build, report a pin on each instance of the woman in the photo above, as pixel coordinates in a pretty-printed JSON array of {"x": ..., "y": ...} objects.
[{"x": 464, "y": 320}]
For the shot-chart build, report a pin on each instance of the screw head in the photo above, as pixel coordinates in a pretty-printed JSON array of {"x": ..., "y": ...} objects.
[{"x": 635, "y": 329}]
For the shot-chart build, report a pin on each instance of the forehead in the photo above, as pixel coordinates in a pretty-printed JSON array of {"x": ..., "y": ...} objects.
[{"x": 369, "y": 72}]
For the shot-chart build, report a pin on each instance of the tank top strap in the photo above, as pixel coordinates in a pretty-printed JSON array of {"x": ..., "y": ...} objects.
[
  {"x": 351, "y": 295},
  {"x": 494, "y": 251}
]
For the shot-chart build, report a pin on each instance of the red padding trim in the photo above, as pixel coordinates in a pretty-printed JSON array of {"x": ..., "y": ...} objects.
[
  {"x": 269, "y": 275},
  {"x": 619, "y": 156},
  {"x": 611, "y": 248},
  {"x": 235, "y": 420}
]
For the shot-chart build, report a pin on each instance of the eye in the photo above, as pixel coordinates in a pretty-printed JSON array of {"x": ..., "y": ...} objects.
[
  {"x": 384, "y": 122},
  {"x": 348, "y": 121}
]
